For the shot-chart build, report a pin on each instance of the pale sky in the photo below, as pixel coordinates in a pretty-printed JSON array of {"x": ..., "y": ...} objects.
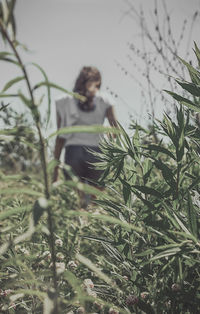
[{"x": 64, "y": 35}]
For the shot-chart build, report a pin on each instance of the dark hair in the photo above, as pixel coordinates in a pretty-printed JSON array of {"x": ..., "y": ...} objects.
[{"x": 87, "y": 74}]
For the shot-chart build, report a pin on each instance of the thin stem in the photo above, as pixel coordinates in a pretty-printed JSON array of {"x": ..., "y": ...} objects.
[{"x": 43, "y": 155}]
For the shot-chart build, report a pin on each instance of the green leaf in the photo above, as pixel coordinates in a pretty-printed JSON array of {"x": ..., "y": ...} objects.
[
  {"x": 97, "y": 239},
  {"x": 167, "y": 174},
  {"x": 166, "y": 253},
  {"x": 30, "y": 105},
  {"x": 192, "y": 218},
  {"x": 194, "y": 74},
  {"x": 48, "y": 91},
  {"x": 105, "y": 218},
  {"x": 183, "y": 227},
  {"x": 8, "y": 95},
  {"x": 186, "y": 102},
  {"x": 12, "y": 131},
  {"x": 5, "y": 53},
  {"x": 145, "y": 253},
  {"x": 12, "y": 82},
  {"x": 126, "y": 137},
  {"x": 197, "y": 52},
  {"x": 9, "y": 191},
  {"x": 149, "y": 204},
  {"x": 190, "y": 87},
  {"x": 50, "y": 84},
  {"x": 96, "y": 270},
  {"x": 16, "y": 210},
  {"x": 51, "y": 165},
  {"x": 119, "y": 168},
  {"x": 4, "y": 58},
  {"x": 148, "y": 190},
  {"x": 126, "y": 192},
  {"x": 84, "y": 129}
]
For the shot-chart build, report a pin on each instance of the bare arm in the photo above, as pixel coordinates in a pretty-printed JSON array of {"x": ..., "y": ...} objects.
[{"x": 110, "y": 114}]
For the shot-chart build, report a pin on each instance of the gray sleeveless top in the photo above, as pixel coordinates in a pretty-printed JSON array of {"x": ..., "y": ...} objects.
[{"x": 70, "y": 114}]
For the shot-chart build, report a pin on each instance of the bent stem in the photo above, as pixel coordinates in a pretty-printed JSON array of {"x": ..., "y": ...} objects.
[{"x": 43, "y": 154}]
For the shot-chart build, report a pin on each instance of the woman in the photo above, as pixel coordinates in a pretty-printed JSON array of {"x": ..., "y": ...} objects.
[{"x": 72, "y": 111}]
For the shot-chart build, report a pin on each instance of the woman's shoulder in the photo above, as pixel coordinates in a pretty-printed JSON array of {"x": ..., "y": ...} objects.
[{"x": 63, "y": 98}]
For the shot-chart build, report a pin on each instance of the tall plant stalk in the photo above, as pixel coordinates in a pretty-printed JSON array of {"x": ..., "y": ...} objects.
[{"x": 43, "y": 155}]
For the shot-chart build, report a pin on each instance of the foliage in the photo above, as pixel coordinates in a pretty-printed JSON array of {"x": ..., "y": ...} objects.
[
  {"x": 136, "y": 249},
  {"x": 157, "y": 189},
  {"x": 18, "y": 149}
]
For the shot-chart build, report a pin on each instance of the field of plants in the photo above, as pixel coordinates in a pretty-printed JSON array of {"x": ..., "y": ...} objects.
[{"x": 136, "y": 248}]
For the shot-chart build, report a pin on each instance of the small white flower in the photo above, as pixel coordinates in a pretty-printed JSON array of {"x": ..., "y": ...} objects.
[
  {"x": 41, "y": 263},
  {"x": 17, "y": 247},
  {"x": 72, "y": 264},
  {"x": 43, "y": 202},
  {"x": 12, "y": 306},
  {"x": 88, "y": 283},
  {"x": 60, "y": 268},
  {"x": 14, "y": 297},
  {"x": 25, "y": 251},
  {"x": 47, "y": 254},
  {"x": 113, "y": 311},
  {"x": 80, "y": 310},
  {"x": 60, "y": 256},
  {"x": 5, "y": 292},
  {"x": 59, "y": 242}
]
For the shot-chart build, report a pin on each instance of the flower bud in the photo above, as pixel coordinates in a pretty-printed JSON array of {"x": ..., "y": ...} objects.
[
  {"x": 59, "y": 242},
  {"x": 72, "y": 264},
  {"x": 60, "y": 256},
  {"x": 113, "y": 311},
  {"x": 88, "y": 283},
  {"x": 144, "y": 295},
  {"x": 80, "y": 310},
  {"x": 131, "y": 300},
  {"x": 176, "y": 287}
]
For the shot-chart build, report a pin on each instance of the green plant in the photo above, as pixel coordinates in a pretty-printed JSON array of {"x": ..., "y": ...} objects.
[
  {"x": 156, "y": 189},
  {"x": 30, "y": 219}
]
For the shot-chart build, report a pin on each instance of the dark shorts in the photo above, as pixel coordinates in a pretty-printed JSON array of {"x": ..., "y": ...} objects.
[{"x": 80, "y": 159}]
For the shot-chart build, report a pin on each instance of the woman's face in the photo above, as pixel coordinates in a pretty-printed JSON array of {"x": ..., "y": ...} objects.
[{"x": 91, "y": 88}]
